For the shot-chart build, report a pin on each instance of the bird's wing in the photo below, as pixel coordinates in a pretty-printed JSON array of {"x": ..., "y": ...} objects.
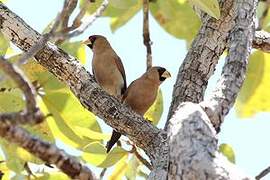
[
  {"x": 127, "y": 91},
  {"x": 120, "y": 67}
]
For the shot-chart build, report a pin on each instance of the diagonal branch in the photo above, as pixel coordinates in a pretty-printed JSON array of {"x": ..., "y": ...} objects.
[
  {"x": 263, "y": 173},
  {"x": 233, "y": 74},
  {"x": 146, "y": 34},
  {"x": 45, "y": 151},
  {"x": 67, "y": 69}
]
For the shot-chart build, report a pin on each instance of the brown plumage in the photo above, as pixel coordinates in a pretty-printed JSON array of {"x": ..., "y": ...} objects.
[
  {"x": 107, "y": 67},
  {"x": 141, "y": 94},
  {"x": 108, "y": 70}
]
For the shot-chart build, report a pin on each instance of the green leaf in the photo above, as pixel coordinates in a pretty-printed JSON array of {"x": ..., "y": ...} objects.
[
  {"x": 4, "y": 44},
  {"x": 4, "y": 169},
  {"x": 3, "y": 1},
  {"x": 123, "y": 4},
  {"x": 227, "y": 151},
  {"x": 155, "y": 111},
  {"x": 110, "y": 11},
  {"x": 119, "y": 169},
  {"x": 254, "y": 95},
  {"x": 13, "y": 99},
  {"x": 76, "y": 49},
  {"x": 261, "y": 9},
  {"x": 176, "y": 18},
  {"x": 95, "y": 153},
  {"x": 59, "y": 122},
  {"x": 120, "y": 11},
  {"x": 211, "y": 7},
  {"x": 94, "y": 135},
  {"x": 16, "y": 156},
  {"x": 132, "y": 168},
  {"x": 142, "y": 174},
  {"x": 123, "y": 18},
  {"x": 51, "y": 176}
]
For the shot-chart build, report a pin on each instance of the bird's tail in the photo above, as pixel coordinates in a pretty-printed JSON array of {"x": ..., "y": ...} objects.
[{"x": 114, "y": 138}]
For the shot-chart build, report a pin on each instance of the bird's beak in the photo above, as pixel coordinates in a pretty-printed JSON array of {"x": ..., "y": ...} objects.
[
  {"x": 88, "y": 43},
  {"x": 166, "y": 74}
]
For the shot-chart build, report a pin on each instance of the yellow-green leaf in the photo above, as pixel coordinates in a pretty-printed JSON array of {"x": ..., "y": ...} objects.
[
  {"x": 120, "y": 11},
  {"x": 12, "y": 98},
  {"x": 211, "y": 7},
  {"x": 119, "y": 169},
  {"x": 155, "y": 111},
  {"x": 76, "y": 49},
  {"x": 16, "y": 156},
  {"x": 4, "y": 44},
  {"x": 95, "y": 153},
  {"x": 110, "y": 11},
  {"x": 227, "y": 151},
  {"x": 254, "y": 95},
  {"x": 51, "y": 176},
  {"x": 175, "y": 18},
  {"x": 59, "y": 121},
  {"x": 123, "y": 4},
  {"x": 94, "y": 135},
  {"x": 132, "y": 168},
  {"x": 122, "y": 19},
  {"x": 4, "y": 170}
]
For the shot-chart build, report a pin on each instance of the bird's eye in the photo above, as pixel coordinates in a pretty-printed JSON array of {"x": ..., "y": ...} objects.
[{"x": 92, "y": 39}]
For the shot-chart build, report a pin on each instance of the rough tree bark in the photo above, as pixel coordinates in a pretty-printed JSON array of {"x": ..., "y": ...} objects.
[
  {"x": 67, "y": 69},
  {"x": 192, "y": 138}
]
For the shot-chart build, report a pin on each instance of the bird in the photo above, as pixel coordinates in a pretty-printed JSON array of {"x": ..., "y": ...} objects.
[
  {"x": 107, "y": 68},
  {"x": 141, "y": 94}
]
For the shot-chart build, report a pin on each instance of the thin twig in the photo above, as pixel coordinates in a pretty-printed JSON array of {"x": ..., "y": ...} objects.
[
  {"x": 146, "y": 35},
  {"x": 102, "y": 173},
  {"x": 43, "y": 40},
  {"x": 88, "y": 21},
  {"x": 263, "y": 173},
  {"x": 69, "y": 6},
  {"x": 140, "y": 158}
]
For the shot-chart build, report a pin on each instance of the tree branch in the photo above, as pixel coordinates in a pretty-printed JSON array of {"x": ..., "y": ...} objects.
[
  {"x": 140, "y": 158},
  {"x": 261, "y": 41},
  {"x": 233, "y": 74},
  {"x": 31, "y": 112},
  {"x": 67, "y": 69},
  {"x": 87, "y": 21},
  {"x": 69, "y": 6},
  {"x": 146, "y": 35},
  {"x": 263, "y": 173},
  {"x": 193, "y": 147},
  {"x": 200, "y": 62},
  {"x": 45, "y": 151}
]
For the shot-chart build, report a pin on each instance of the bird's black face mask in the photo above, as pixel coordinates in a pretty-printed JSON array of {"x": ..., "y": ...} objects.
[
  {"x": 163, "y": 74},
  {"x": 92, "y": 40}
]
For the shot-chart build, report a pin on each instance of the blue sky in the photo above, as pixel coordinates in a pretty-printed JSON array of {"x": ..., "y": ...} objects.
[{"x": 248, "y": 137}]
